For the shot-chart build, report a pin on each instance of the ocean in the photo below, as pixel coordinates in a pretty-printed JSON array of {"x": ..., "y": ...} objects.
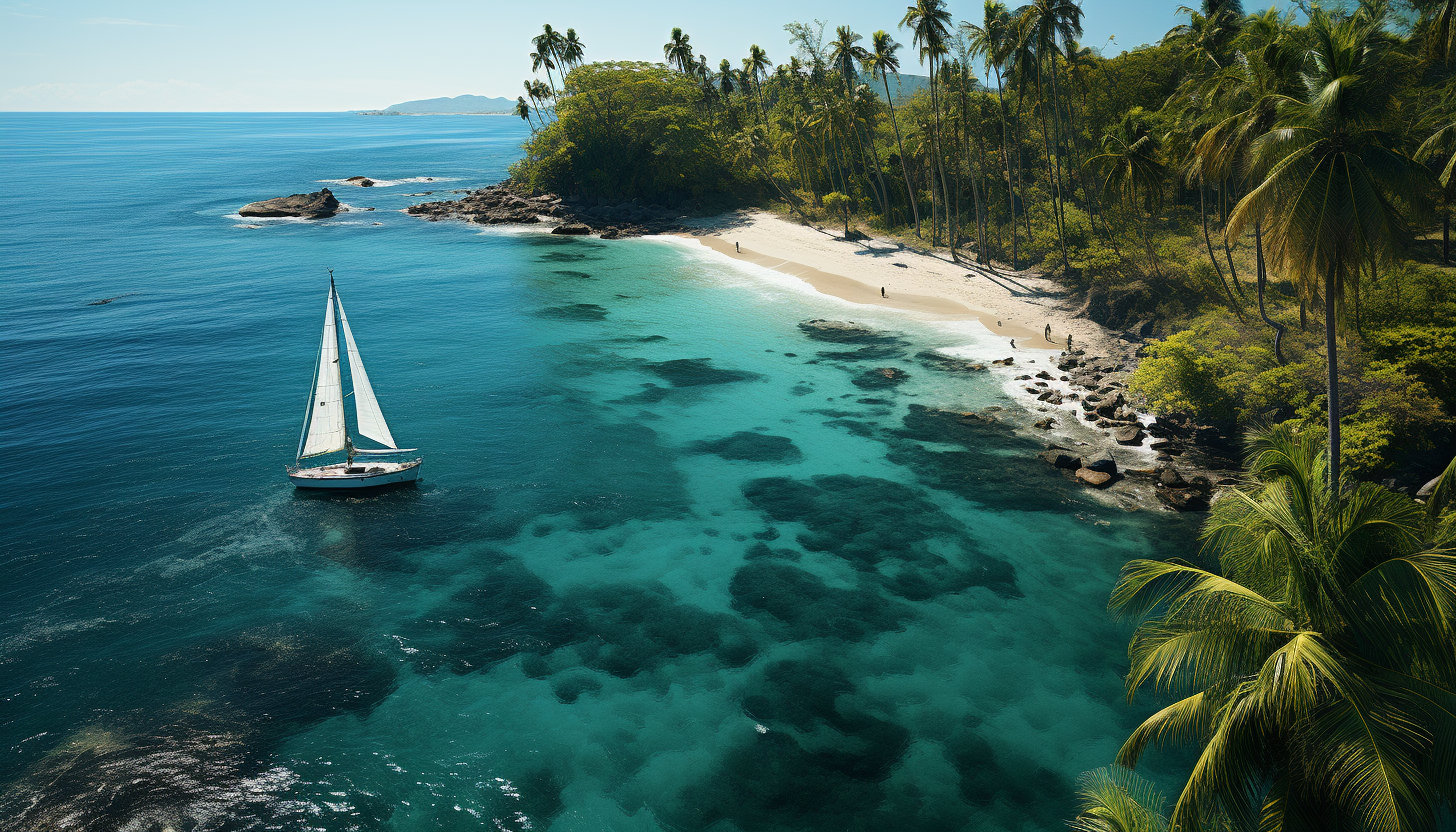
[{"x": 676, "y": 562}]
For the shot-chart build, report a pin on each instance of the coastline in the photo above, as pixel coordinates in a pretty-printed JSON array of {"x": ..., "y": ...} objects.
[{"x": 1016, "y": 305}]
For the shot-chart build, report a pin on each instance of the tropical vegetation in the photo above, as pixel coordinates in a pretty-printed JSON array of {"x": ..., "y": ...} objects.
[{"x": 1266, "y": 198}]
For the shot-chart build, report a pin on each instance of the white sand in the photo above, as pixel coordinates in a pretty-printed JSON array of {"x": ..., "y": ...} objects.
[{"x": 1014, "y": 304}]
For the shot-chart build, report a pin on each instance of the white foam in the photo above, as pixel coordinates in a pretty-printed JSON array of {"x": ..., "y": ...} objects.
[{"x": 389, "y": 183}]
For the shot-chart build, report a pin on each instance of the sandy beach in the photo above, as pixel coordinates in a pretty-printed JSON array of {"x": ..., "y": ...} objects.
[{"x": 1018, "y": 305}]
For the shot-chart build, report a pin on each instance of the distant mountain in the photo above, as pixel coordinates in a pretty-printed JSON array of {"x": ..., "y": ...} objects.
[
  {"x": 902, "y": 87},
  {"x": 458, "y": 104}
]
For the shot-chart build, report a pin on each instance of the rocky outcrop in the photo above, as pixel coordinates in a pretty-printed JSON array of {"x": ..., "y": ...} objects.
[
  {"x": 500, "y": 204},
  {"x": 574, "y": 229},
  {"x": 361, "y": 181},
  {"x": 314, "y": 206}
]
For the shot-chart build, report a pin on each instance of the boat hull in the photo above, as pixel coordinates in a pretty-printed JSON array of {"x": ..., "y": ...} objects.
[{"x": 343, "y": 476}]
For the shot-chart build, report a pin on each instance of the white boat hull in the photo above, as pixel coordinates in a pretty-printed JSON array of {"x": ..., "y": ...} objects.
[{"x": 359, "y": 475}]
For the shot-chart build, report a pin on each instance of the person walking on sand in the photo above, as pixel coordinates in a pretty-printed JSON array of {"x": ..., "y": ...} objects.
[
  {"x": 736, "y": 250},
  {"x": 1069, "y": 342},
  {"x": 882, "y": 292},
  {"x": 1048, "y": 335},
  {"x": 1013, "y": 343}
]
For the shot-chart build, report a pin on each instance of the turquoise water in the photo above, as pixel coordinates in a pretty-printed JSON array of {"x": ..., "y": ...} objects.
[{"x": 674, "y": 564}]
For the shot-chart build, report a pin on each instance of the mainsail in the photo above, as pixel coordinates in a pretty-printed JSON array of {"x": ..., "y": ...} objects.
[
  {"x": 366, "y": 407},
  {"x": 325, "y": 416}
]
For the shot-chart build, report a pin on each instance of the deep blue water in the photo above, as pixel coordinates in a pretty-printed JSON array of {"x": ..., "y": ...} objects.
[{"x": 674, "y": 564}]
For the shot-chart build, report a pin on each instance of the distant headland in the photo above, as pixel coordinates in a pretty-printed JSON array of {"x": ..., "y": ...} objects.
[{"x": 459, "y": 105}]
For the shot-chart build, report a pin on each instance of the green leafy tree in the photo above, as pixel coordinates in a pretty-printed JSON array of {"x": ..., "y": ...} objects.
[
  {"x": 1338, "y": 188},
  {"x": 1313, "y": 669}
]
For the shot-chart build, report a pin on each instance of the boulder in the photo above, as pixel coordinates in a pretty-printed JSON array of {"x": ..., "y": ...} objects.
[
  {"x": 575, "y": 229},
  {"x": 1061, "y": 459},
  {"x": 314, "y": 206},
  {"x": 1180, "y": 499},
  {"x": 1130, "y": 435},
  {"x": 1102, "y": 463},
  {"x": 1425, "y": 491},
  {"x": 1044, "y": 424},
  {"x": 1096, "y": 479},
  {"x": 1170, "y": 478},
  {"x": 361, "y": 181}
]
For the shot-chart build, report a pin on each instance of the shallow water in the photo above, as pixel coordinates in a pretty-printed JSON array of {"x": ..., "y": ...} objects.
[{"x": 674, "y": 563}]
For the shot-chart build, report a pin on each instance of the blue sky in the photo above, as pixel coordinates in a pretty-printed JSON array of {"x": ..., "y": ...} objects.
[{"x": 329, "y": 55}]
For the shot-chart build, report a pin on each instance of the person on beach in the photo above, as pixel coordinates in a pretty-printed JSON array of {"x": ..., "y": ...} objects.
[
  {"x": 1069, "y": 342},
  {"x": 882, "y": 291},
  {"x": 1013, "y": 343},
  {"x": 735, "y": 247},
  {"x": 1048, "y": 335}
]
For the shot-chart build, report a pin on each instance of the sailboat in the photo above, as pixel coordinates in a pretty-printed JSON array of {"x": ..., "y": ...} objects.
[{"x": 324, "y": 430}]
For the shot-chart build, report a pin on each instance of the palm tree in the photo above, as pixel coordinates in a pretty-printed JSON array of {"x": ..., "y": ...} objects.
[
  {"x": 929, "y": 22},
  {"x": 1114, "y": 799},
  {"x": 757, "y": 65},
  {"x": 524, "y": 111},
  {"x": 678, "y": 52},
  {"x": 882, "y": 63},
  {"x": 572, "y": 49},
  {"x": 1131, "y": 168},
  {"x": 1314, "y": 666},
  {"x": 537, "y": 92},
  {"x": 1337, "y": 186},
  {"x": 989, "y": 41},
  {"x": 1047, "y": 22},
  {"x": 548, "y": 52}
]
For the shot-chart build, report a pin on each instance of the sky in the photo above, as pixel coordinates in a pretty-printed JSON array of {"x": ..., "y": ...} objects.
[{"x": 333, "y": 55}]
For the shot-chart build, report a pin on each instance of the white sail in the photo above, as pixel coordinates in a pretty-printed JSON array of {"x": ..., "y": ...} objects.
[
  {"x": 366, "y": 407},
  {"x": 326, "y": 408}
]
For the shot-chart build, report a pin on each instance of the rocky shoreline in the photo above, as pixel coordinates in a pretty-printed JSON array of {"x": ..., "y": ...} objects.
[
  {"x": 500, "y": 205},
  {"x": 1192, "y": 461}
]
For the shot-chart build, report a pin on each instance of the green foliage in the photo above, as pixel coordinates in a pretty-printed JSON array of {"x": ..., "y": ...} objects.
[
  {"x": 1178, "y": 375},
  {"x": 1312, "y": 669},
  {"x": 624, "y": 130}
]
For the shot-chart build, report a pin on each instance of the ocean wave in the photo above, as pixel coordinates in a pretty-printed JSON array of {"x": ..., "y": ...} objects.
[{"x": 389, "y": 183}]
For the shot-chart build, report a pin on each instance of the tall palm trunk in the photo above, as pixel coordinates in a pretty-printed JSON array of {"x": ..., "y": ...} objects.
[
  {"x": 1006, "y": 159},
  {"x": 1262, "y": 280},
  {"x": 1056, "y": 211},
  {"x": 1333, "y": 381},
  {"x": 1057, "y": 176},
  {"x": 904, "y": 168},
  {"x": 939, "y": 160},
  {"x": 966, "y": 154},
  {"x": 1203, "y": 215}
]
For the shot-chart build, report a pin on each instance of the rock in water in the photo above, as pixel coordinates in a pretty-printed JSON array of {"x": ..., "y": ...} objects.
[
  {"x": 361, "y": 181},
  {"x": 1129, "y": 435},
  {"x": 315, "y": 206},
  {"x": 572, "y": 228},
  {"x": 1096, "y": 479}
]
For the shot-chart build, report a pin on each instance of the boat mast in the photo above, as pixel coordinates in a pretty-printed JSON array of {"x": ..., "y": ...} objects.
[
  {"x": 312, "y": 391},
  {"x": 339, "y": 309}
]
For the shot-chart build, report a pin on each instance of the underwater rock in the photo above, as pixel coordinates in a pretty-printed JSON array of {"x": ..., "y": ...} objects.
[
  {"x": 947, "y": 363},
  {"x": 574, "y": 312},
  {"x": 361, "y": 181},
  {"x": 881, "y": 378},
  {"x": 698, "y": 372},
  {"x": 846, "y": 332},
  {"x": 574, "y": 229},
  {"x": 626, "y": 629},
  {"x": 752, "y": 447}
]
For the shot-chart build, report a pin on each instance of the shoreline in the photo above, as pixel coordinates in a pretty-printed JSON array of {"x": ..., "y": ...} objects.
[{"x": 1016, "y": 305}]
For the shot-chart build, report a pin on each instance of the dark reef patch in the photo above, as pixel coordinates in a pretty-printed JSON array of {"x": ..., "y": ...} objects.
[
  {"x": 698, "y": 372},
  {"x": 848, "y": 332},
  {"x": 825, "y": 773},
  {"x": 882, "y": 528},
  {"x": 503, "y": 613},
  {"x": 801, "y": 389},
  {"x": 762, "y": 550},
  {"x": 568, "y": 687},
  {"x": 572, "y": 273},
  {"x": 574, "y": 312},
  {"x": 880, "y": 378},
  {"x": 565, "y": 257},
  {"x": 1007, "y": 783},
  {"x": 803, "y": 607},
  {"x": 875, "y": 352},
  {"x": 627, "y": 628},
  {"x": 651, "y": 394},
  {"x": 751, "y": 447},
  {"x": 948, "y": 363}
]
